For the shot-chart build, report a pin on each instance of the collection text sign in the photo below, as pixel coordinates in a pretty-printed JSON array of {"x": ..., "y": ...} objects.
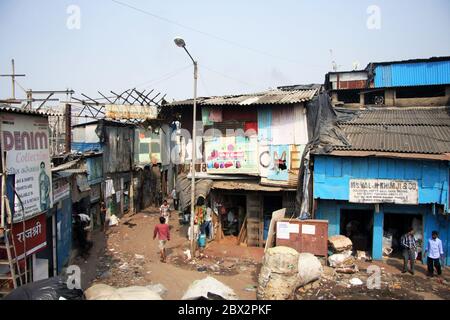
[
  {"x": 25, "y": 140},
  {"x": 383, "y": 191}
]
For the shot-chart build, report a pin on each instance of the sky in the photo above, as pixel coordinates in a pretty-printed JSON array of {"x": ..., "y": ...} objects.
[{"x": 242, "y": 46}]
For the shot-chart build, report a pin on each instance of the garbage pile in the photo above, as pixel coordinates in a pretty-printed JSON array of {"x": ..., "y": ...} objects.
[
  {"x": 209, "y": 289},
  {"x": 55, "y": 288},
  {"x": 342, "y": 259},
  {"x": 205, "y": 289},
  {"x": 284, "y": 270}
]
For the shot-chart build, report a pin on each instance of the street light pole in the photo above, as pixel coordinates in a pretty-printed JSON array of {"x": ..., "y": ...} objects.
[{"x": 181, "y": 43}]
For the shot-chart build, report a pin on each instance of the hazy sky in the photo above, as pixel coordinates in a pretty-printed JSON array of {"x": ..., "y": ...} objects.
[{"x": 242, "y": 46}]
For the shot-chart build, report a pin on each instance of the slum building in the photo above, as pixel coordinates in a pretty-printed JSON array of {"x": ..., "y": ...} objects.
[
  {"x": 405, "y": 83},
  {"x": 112, "y": 165},
  {"x": 127, "y": 165},
  {"x": 28, "y": 211},
  {"x": 250, "y": 147},
  {"x": 384, "y": 165}
]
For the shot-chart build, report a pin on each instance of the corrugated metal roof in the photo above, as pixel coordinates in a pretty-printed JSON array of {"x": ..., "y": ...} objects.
[
  {"x": 412, "y": 74},
  {"x": 9, "y": 108},
  {"x": 438, "y": 116},
  {"x": 262, "y": 98},
  {"x": 394, "y": 138}
]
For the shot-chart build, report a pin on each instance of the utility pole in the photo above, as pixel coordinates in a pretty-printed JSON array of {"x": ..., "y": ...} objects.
[
  {"x": 68, "y": 122},
  {"x": 13, "y": 76}
]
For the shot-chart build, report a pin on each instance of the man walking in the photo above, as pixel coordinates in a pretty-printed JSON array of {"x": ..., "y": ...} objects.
[
  {"x": 435, "y": 252},
  {"x": 165, "y": 211},
  {"x": 409, "y": 246},
  {"x": 163, "y": 233}
]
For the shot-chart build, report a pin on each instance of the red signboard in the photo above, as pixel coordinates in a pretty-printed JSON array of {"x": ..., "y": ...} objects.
[{"x": 33, "y": 238}]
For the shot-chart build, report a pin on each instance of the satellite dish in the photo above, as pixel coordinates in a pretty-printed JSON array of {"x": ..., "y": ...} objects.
[{"x": 355, "y": 65}]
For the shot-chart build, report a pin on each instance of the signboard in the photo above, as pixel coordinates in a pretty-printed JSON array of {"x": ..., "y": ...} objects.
[
  {"x": 131, "y": 112},
  {"x": 25, "y": 140},
  {"x": 308, "y": 229},
  {"x": 384, "y": 191},
  {"x": 33, "y": 236},
  {"x": 61, "y": 190},
  {"x": 283, "y": 230},
  {"x": 231, "y": 155}
]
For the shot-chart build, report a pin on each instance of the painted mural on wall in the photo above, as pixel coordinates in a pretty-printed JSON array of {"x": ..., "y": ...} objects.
[
  {"x": 278, "y": 167},
  {"x": 25, "y": 140},
  {"x": 231, "y": 155}
]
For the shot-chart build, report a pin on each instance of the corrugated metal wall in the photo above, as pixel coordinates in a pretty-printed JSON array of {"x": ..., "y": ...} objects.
[{"x": 412, "y": 74}]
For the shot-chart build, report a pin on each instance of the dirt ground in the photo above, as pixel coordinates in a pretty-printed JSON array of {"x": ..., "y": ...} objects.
[
  {"x": 394, "y": 285},
  {"x": 127, "y": 255}
]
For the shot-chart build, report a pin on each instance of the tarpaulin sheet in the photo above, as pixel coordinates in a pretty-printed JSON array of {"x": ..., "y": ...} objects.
[{"x": 183, "y": 188}]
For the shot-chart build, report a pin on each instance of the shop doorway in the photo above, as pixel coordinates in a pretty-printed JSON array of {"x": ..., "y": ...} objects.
[
  {"x": 235, "y": 206},
  {"x": 358, "y": 226},
  {"x": 395, "y": 225}
]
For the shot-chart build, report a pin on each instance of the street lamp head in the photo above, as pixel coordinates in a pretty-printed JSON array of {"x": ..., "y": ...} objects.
[{"x": 180, "y": 42}]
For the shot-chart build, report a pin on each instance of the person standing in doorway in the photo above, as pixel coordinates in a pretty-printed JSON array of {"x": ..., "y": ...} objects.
[
  {"x": 44, "y": 188},
  {"x": 165, "y": 211},
  {"x": 175, "y": 199},
  {"x": 104, "y": 219},
  {"x": 409, "y": 246},
  {"x": 434, "y": 253},
  {"x": 208, "y": 223},
  {"x": 163, "y": 233}
]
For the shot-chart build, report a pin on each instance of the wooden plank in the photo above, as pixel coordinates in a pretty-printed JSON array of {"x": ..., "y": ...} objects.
[
  {"x": 276, "y": 215},
  {"x": 244, "y": 225}
]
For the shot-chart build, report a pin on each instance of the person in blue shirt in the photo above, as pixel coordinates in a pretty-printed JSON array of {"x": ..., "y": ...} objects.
[{"x": 434, "y": 253}]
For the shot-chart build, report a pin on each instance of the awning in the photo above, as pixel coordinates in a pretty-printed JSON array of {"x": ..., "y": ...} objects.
[
  {"x": 244, "y": 185},
  {"x": 65, "y": 166},
  {"x": 183, "y": 189}
]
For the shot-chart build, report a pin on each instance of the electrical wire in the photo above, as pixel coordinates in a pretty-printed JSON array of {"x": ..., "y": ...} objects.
[
  {"x": 236, "y": 44},
  {"x": 229, "y": 77}
]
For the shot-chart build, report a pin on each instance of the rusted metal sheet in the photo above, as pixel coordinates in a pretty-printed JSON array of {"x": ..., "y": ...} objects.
[
  {"x": 354, "y": 84},
  {"x": 304, "y": 235},
  {"x": 131, "y": 112}
]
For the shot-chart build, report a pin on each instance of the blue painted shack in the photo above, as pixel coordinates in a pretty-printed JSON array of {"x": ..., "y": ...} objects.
[{"x": 392, "y": 173}]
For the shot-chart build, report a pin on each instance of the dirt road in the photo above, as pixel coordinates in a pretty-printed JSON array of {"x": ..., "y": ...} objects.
[{"x": 128, "y": 255}]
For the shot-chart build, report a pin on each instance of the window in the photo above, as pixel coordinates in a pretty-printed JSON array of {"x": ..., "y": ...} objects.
[
  {"x": 144, "y": 148},
  {"x": 348, "y": 96},
  {"x": 421, "y": 92}
]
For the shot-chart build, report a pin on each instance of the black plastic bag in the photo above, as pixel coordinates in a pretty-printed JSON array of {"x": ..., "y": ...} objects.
[{"x": 48, "y": 289}]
